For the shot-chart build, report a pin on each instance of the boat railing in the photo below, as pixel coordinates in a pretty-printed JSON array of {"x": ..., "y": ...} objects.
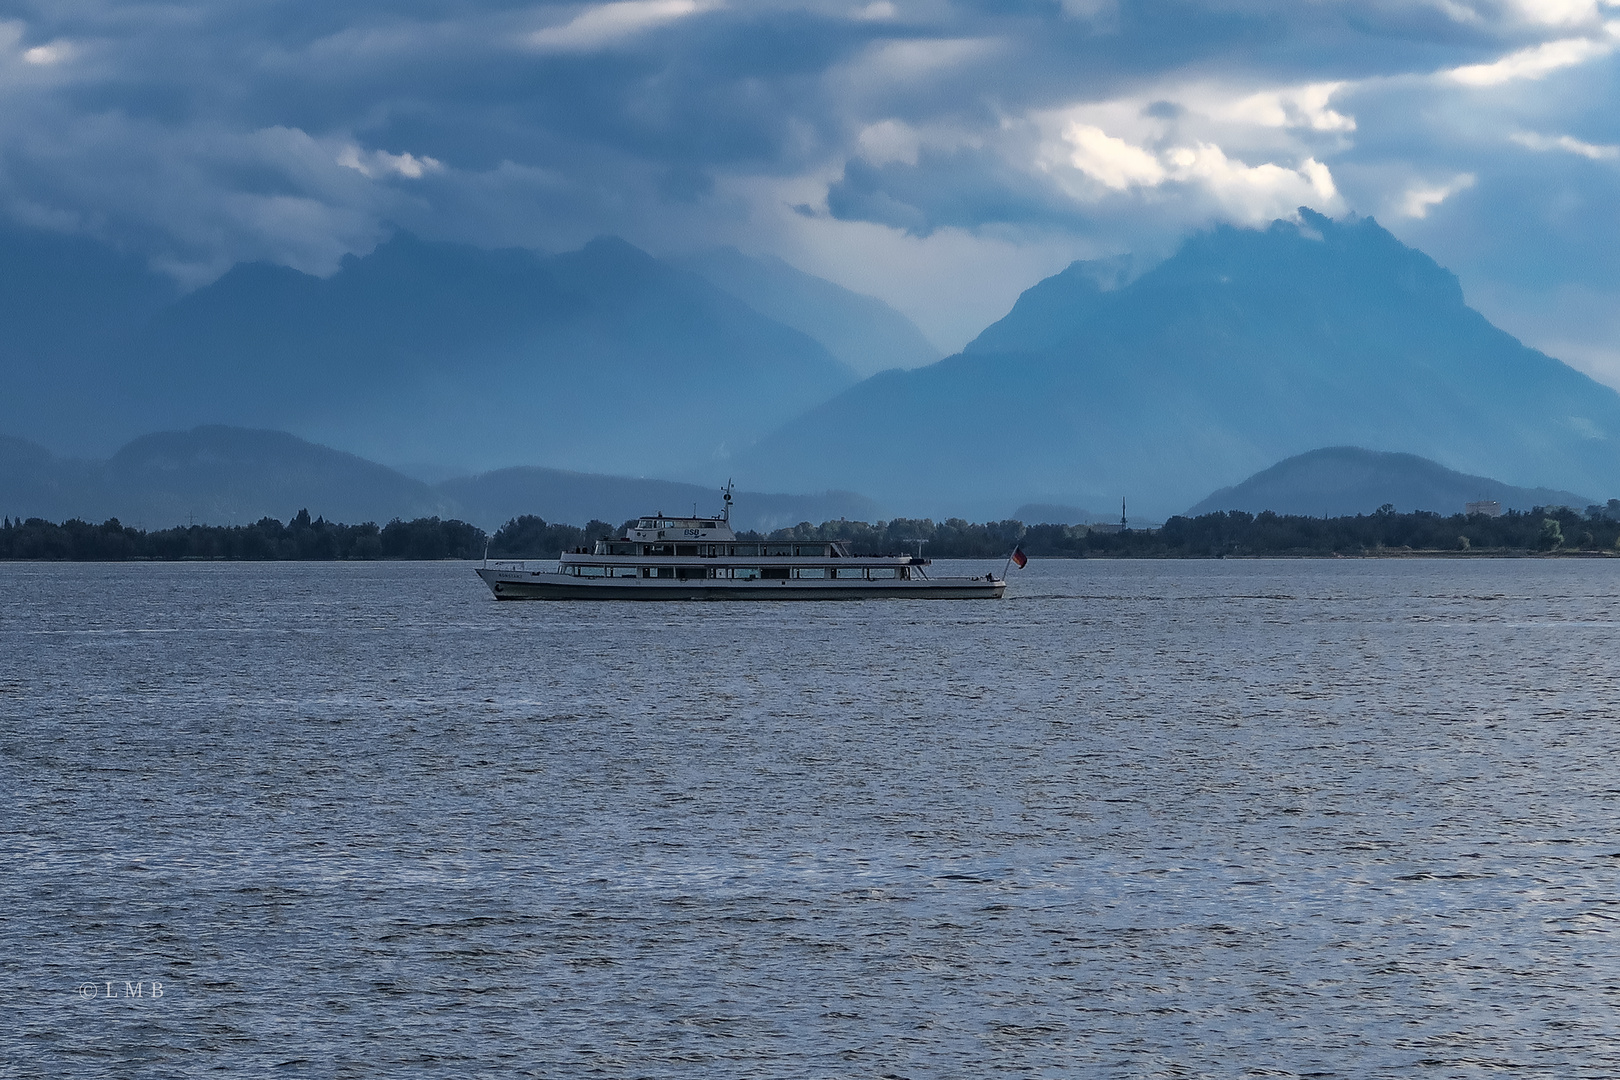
[{"x": 517, "y": 564}]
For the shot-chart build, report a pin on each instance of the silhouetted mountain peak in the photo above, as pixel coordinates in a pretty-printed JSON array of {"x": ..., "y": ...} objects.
[
  {"x": 1292, "y": 268},
  {"x": 1245, "y": 347},
  {"x": 255, "y": 284},
  {"x": 615, "y": 255},
  {"x": 220, "y": 444},
  {"x": 1055, "y": 308},
  {"x": 1290, "y": 258},
  {"x": 213, "y": 474},
  {"x": 1342, "y": 480},
  {"x": 405, "y": 258}
]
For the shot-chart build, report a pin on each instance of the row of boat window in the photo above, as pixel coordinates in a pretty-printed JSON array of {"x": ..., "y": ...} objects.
[
  {"x": 717, "y": 551},
  {"x": 741, "y": 573}
]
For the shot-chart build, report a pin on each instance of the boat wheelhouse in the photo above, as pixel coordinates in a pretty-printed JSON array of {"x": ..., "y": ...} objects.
[{"x": 701, "y": 558}]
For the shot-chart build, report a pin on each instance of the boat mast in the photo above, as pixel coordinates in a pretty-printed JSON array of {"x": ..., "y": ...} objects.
[{"x": 725, "y": 515}]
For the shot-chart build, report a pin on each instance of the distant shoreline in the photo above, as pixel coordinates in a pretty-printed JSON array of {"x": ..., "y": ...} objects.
[{"x": 1554, "y": 532}]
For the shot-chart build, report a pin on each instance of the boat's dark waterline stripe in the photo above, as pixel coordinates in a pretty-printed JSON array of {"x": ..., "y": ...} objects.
[{"x": 508, "y": 590}]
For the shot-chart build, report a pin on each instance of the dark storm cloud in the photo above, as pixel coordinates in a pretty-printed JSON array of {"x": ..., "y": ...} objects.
[
  {"x": 963, "y": 188},
  {"x": 201, "y": 133}
]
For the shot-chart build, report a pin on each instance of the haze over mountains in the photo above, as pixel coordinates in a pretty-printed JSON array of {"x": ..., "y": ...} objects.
[
  {"x": 862, "y": 331},
  {"x": 603, "y": 359},
  {"x": 1243, "y": 349},
  {"x": 233, "y": 476}
]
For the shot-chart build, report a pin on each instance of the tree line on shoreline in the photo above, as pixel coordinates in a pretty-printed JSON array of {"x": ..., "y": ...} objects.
[
  {"x": 1218, "y": 535},
  {"x": 1240, "y": 534},
  {"x": 301, "y": 539},
  {"x": 1237, "y": 534}
]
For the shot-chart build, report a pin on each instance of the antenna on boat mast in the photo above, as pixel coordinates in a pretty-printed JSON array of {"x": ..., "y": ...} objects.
[{"x": 725, "y": 492}]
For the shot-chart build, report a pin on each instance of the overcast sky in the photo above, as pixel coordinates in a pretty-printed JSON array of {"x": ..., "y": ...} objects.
[{"x": 942, "y": 155}]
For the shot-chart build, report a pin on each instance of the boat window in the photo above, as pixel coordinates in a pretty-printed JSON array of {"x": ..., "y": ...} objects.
[
  {"x": 778, "y": 549},
  {"x": 745, "y": 549},
  {"x": 592, "y": 571},
  {"x": 623, "y": 571},
  {"x": 686, "y": 549},
  {"x": 847, "y": 573},
  {"x": 775, "y": 573},
  {"x": 809, "y": 572},
  {"x": 882, "y": 572},
  {"x": 745, "y": 573},
  {"x": 812, "y": 550},
  {"x": 687, "y": 573}
]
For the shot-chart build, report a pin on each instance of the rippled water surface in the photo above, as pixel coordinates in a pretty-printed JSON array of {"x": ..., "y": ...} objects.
[{"x": 1330, "y": 818}]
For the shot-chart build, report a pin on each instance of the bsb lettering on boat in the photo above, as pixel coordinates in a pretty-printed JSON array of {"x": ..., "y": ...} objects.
[{"x": 700, "y": 558}]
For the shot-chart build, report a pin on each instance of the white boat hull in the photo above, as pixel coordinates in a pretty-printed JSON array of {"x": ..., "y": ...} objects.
[{"x": 548, "y": 585}]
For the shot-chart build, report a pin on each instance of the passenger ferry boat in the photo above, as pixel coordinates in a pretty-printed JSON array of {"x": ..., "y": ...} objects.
[{"x": 700, "y": 558}]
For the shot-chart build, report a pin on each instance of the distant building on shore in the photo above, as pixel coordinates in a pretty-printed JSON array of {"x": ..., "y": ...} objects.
[{"x": 1488, "y": 507}]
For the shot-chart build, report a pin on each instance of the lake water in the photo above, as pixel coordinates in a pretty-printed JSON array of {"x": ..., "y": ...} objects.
[{"x": 1278, "y": 818}]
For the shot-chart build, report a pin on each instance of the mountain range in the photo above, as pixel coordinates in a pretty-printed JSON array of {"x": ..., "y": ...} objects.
[
  {"x": 1110, "y": 380},
  {"x": 602, "y": 359},
  {"x": 223, "y": 475},
  {"x": 1347, "y": 480},
  {"x": 1244, "y": 348},
  {"x": 230, "y": 476}
]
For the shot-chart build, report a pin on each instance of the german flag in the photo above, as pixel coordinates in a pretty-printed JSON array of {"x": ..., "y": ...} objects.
[{"x": 1019, "y": 557}]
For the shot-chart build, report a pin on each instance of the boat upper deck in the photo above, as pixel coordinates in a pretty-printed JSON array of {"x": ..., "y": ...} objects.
[
  {"x": 659, "y": 527},
  {"x": 734, "y": 549},
  {"x": 656, "y": 538}
]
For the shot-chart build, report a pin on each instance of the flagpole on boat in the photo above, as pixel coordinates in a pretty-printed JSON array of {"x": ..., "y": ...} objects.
[{"x": 1016, "y": 553}]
